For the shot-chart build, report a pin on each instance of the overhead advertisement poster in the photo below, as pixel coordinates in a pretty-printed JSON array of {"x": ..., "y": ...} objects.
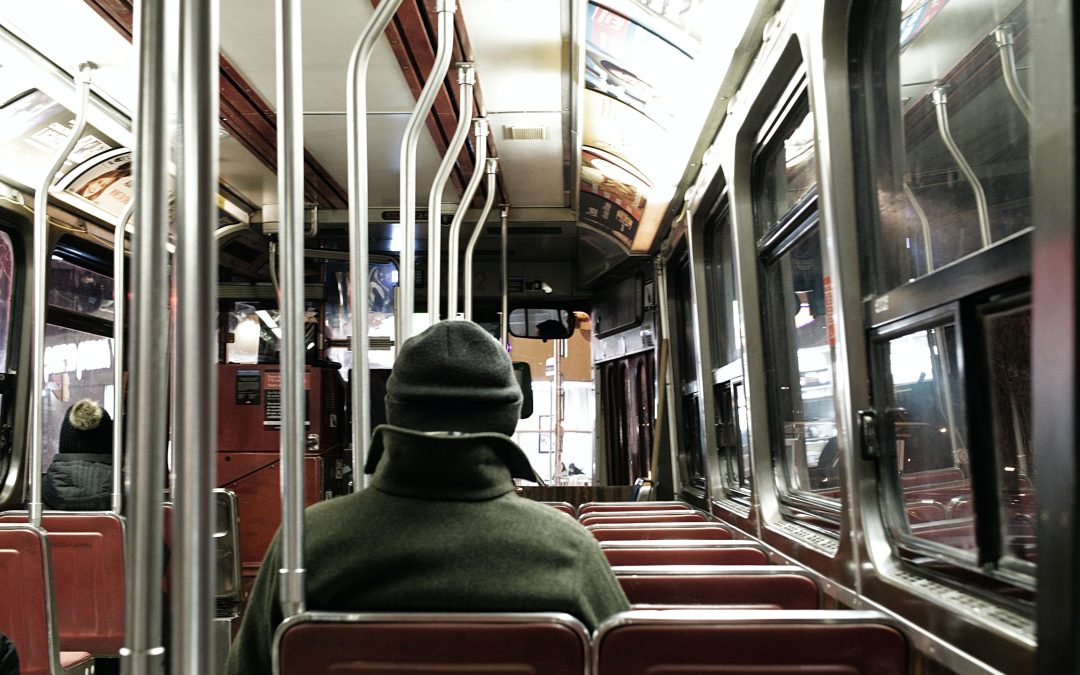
[
  {"x": 629, "y": 104},
  {"x": 33, "y": 128}
]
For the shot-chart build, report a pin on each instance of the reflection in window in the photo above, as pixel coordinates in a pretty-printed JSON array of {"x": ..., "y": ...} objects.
[
  {"x": 78, "y": 365},
  {"x": 382, "y": 280},
  {"x": 1008, "y": 338},
  {"x": 958, "y": 177},
  {"x": 801, "y": 377},
  {"x": 733, "y": 436},
  {"x": 927, "y": 420},
  {"x": 785, "y": 171},
  {"x": 7, "y": 285},
  {"x": 723, "y": 301},
  {"x": 81, "y": 290}
]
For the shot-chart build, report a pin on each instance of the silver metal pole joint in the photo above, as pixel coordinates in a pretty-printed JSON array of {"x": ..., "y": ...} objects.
[
  {"x": 466, "y": 72},
  {"x": 446, "y": 6}
]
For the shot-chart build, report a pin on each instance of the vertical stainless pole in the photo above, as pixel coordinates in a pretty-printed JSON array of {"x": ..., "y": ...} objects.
[
  {"x": 480, "y": 132},
  {"x": 504, "y": 324},
  {"x": 492, "y": 169},
  {"x": 407, "y": 273},
  {"x": 290, "y": 160},
  {"x": 356, "y": 103},
  {"x": 146, "y": 430},
  {"x": 466, "y": 80},
  {"x": 35, "y": 450},
  {"x": 119, "y": 311},
  {"x": 195, "y": 429}
]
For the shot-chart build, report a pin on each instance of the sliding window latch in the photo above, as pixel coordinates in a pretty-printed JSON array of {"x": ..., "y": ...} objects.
[{"x": 868, "y": 432}]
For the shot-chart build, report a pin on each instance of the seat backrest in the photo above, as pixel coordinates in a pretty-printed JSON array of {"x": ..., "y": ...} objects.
[
  {"x": 317, "y": 643},
  {"x": 599, "y": 507},
  {"x": 819, "y": 642},
  {"x": 624, "y": 532},
  {"x": 645, "y": 517},
  {"x": 24, "y": 585},
  {"x": 87, "y": 558},
  {"x": 565, "y": 507},
  {"x": 780, "y": 586},
  {"x": 742, "y": 555}
]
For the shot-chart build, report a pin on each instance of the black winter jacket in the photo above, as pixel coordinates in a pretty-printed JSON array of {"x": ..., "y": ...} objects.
[{"x": 79, "y": 481}]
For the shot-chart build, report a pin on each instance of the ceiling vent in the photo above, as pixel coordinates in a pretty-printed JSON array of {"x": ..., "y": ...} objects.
[{"x": 515, "y": 133}]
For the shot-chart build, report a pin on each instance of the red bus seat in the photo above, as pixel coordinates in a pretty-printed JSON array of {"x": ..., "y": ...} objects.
[
  {"x": 782, "y": 586},
  {"x": 612, "y": 532},
  {"x": 817, "y": 642},
  {"x": 87, "y": 551},
  {"x": 565, "y": 507},
  {"x": 316, "y": 643},
  {"x": 698, "y": 555},
  {"x": 924, "y": 511},
  {"x": 26, "y": 613},
  {"x": 643, "y": 517},
  {"x": 600, "y": 507}
]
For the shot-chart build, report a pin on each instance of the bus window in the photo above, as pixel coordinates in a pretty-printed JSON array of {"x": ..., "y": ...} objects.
[
  {"x": 79, "y": 289},
  {"x": 78, "y": 365},
  {"x": 798, "y": 328},
  {"x": 946, "y": 249},
  {"x": 7, "y": 286}
]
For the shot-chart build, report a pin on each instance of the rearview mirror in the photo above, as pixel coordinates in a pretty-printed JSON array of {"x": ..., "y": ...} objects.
[{"x": 541, "y": 324}]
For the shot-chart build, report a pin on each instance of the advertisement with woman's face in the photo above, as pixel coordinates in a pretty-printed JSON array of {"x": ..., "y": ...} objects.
[{"x": 109, "y": 184}]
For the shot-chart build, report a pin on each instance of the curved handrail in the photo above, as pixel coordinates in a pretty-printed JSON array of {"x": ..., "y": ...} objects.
[
  {"x": 466, "y": 80},
  {"x": 492, "y": 170},
  {"x": 480, "y": 131},
  {"x": 356, "y": 115},
  {"x": 119, "y": 313},
  {"x": 35, "y": 448},
  {"x": 407, "y": 179}
]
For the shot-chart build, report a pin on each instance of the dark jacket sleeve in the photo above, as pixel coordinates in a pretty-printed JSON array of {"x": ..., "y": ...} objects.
[
  {"x": 250, "y": 652},
  {"x": 600, "y": 592}
]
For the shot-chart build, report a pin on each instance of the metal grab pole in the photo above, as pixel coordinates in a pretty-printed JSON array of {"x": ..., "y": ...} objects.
[
  {"x": 480, "y": 132},
  {"x": 1003, "y": 36},
  {"x": 407, "y": 180},
  {"x": 356, "y": 102},
  {"x": 195, "y": 429},
  {"x": 940, "y": 100},
  {"x": 119, "y": 311},
  {"x": 290, "y": 159},
  {"x": 924, "y": 224},
  {"x": 504, "y": 325},
  {"x": 36, "y": 449},
  {"x": 147, "y": 430},
  {"x": 466, "y": 80},
  {"x": 492, "y": 169}
]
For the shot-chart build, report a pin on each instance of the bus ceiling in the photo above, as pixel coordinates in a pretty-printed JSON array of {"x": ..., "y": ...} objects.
[{"x": 594, "y": 107}]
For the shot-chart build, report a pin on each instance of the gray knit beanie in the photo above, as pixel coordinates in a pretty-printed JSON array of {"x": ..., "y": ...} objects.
[
  {"x": 453, "y": 377},
  {"x": 87, "y": 427}
]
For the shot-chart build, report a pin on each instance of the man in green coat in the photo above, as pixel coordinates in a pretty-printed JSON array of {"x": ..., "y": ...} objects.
[{"x": 440, "y": 528}]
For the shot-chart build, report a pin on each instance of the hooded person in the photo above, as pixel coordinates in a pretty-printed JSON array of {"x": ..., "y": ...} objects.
[
  {"x": 80, "y": 476},
  {"x": 440, "y": 527}
]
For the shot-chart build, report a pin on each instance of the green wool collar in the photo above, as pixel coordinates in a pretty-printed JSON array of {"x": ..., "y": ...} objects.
[{"x": 462, "y": 467}]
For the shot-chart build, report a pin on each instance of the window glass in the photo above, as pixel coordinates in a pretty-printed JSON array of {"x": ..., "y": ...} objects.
[
  {"x": 687, "y": 357},
  {"x": 382, "y": 280},
  {"x": 723, "y": 302},
  {"x": 1008, "y": 338},
  {"x": 78, "y": 365},
  {"x": 733, "y": 436},
  {"x": 929, "y": 434},
  {"x": 79, "y": 289},
  {"x": 957, "y": 177},
  {"x": 800, "y": 367},
  {"x": 7, "y": 288},
  {"x": 785, "y": 170}
]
